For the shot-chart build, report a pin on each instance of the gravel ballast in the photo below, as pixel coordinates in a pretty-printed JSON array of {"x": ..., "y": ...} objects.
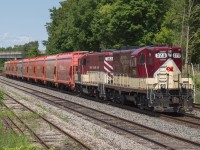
[
  {"x": 172, "y": 128},
  {"x": 95, "y": 136}
]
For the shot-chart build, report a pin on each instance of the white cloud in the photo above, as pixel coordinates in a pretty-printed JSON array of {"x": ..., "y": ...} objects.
[{"x": 7, "y": 40}]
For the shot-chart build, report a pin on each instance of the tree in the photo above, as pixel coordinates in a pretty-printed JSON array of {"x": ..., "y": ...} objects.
[
  {"x": 171, "y": 28},
  {"x": 70, "y": 27},
  {"x": 31, "y": 49},
  {"x": 181, "y": 27},
  {"x": 128, "y": 22},
  {"x": 93, "y": 25},
  {"x": 192, "y": 30}
]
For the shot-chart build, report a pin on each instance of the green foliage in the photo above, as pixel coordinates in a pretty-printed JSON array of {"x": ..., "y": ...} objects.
[
  {"x": 195, "y": 37},
  {"x": 31, "y": 49},
  {"x": 94, "y": 25},
  {"x": 175, "y": 25},
  {"x": 29, "y": 116},
  {"x": 171, "y": 24},
  {"x": 28, "y": 50},
  {"x": 11, "y": 141}
]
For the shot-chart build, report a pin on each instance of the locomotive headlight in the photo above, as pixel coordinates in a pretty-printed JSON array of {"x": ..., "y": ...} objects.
[
  {"x": 170, "y": 53},
  {"x": 162, "y": 86},
  {"x": 183, "y": 86}
]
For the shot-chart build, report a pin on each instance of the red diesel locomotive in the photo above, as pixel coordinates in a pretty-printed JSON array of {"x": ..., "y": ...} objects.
[{"x": 151, "y": 76}]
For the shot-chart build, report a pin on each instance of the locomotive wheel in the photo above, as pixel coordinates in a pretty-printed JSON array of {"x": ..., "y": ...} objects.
[
  {"x": 122, "y": 99},
  {"x": 61, "y": 87},
  {"x": 96, "y": 94},
  {"x": 118, "y": 98},
  {"x": 141, "y": 102}
]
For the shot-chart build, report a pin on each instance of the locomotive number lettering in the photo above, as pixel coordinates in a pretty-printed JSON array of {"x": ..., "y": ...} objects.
[
  {"x": 176, "y": 55},
  {"x": 161, "y": 55},
  {"x": 94, "y": 67}
]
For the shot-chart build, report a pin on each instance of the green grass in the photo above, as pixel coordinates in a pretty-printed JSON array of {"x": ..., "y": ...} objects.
[
  {"x": 28, "y": 116},
  {"x": 8, "y": 139}
]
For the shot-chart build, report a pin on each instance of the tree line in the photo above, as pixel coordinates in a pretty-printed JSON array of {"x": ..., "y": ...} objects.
[
  {"x": 94, "y": 25},
  {"x": 102, "y": 24},
  {"x": 30, "y": 49}
]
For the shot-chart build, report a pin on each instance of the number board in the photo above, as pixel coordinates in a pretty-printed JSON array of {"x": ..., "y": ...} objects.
[
  {"x": 176, "y": 55},
  {"x": 164, "y": 55},
  {"x": 161, "y": 55}
]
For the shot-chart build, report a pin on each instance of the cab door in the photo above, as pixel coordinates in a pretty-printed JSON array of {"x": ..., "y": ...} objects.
[{"x": 142, "y": 65}]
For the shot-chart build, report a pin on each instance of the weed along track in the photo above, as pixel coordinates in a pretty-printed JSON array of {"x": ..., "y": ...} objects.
[
  {"x": 26, "y": 127},
  {"x": 40, "y": 130},
  {"x": 152, "y": 138}
]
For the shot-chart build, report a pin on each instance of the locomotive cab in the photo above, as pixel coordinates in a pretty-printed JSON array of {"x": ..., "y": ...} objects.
[
  {"x": 152, "y": 78},
  {"x": 94, "y": 70}
]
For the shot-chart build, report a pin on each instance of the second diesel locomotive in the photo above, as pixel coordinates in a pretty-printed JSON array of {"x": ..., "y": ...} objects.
[{"x": 150, "y": 76}]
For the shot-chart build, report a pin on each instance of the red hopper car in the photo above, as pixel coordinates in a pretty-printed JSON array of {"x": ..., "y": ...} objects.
[{"x": 39, "y": 69}]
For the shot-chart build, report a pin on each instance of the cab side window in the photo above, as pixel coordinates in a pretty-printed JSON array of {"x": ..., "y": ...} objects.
[
  {"x": 150, "y": 59},
  {"x": 84, "y": 62},
  {"x": 142, "y": 59},
  {"x": 133, "y": 62}
]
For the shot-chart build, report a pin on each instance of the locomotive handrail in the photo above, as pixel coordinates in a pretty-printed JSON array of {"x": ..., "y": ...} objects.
[{"x": 147, "y": 80}]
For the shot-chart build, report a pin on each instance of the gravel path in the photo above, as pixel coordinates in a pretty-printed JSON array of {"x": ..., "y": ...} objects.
[{"x": 179, "y": 130}]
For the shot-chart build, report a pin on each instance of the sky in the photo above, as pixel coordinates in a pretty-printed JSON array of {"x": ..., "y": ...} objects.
[{"x": 22, "y": 21}]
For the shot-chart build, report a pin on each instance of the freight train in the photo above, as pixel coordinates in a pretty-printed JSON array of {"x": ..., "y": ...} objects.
[{"x": 151, "y": 76}]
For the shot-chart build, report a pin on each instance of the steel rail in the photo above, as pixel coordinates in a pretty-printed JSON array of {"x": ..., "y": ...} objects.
[
  {"x": 196, "y": 106},
  {"x": 9, "y": 125},
  {"x": 54, "y": 125},
  {"x": 195, "y": 124},
  {"x": 18, "y": 128},
  {"x": 122, "y": 119},
  {"x": 31, "y": 131}
]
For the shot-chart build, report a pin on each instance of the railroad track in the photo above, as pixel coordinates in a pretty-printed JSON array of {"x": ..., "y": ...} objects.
[
  {"x": 186, "y": 119},
  {"x": 12, "y": 125},
  {"x": 130, "y": 129},
  {"x": 23, "y": 128},
  {"x": 196, "y": 106},
  {"x": 50, "y": 138}
]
